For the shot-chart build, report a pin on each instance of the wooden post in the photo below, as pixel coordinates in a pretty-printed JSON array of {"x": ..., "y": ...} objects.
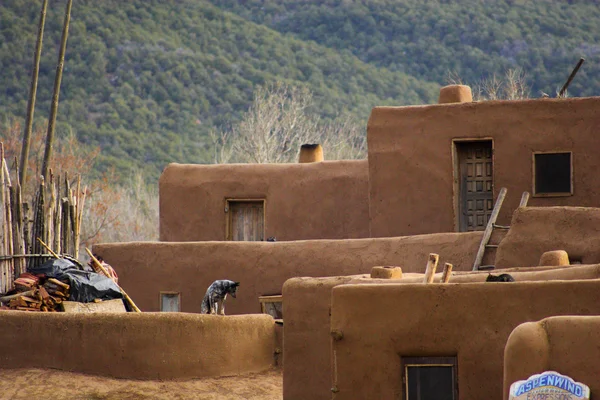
[
  {"x": 573, "y": 73},
  {"x": 524, "y": 199},
  {"x": 432, "y": 263},
  {"x": 99, "y": 266},
  {"x": 488, "y": 229},
  {"x": 57, "y": 81},
  {"x": 32, "y": 95},
  {"x": 447, "y": 272}
]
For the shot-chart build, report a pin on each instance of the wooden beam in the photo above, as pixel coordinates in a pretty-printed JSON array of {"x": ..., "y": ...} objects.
[
  {"x": 524, "y": 199},
  {"x": 447, "y": 272},
  {"x": 432, "y": 263},
  {"x": 489, "y": 228}
]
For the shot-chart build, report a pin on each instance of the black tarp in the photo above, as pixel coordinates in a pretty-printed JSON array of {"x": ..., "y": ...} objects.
[{"x": 85, "y": 286}]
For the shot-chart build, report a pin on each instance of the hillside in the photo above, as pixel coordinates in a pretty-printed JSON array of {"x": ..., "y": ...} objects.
[
  {"x": 147, "y": 80},
  {"x": 429, "y": 38}
]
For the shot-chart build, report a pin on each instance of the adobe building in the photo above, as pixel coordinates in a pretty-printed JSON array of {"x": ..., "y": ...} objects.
[
  {"x": 428, "y": 186},
  {"x": 433, "y": 168}
]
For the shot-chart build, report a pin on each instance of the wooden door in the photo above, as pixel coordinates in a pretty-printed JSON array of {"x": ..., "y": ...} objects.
[
  {"x": 246, "y": 220},
  {"x": 476, "y": 184}
]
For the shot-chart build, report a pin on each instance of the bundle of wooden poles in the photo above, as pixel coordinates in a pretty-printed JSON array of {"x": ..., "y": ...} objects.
[{"x": 54, "y": 215}]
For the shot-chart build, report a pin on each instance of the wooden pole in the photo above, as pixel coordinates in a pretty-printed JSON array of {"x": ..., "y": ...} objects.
[
  {"x": 573, "y": 73},
  {"x": 524, "y": 199},
  {"x": 447, "y": 272},
  {"x": 57, "y": 81},
  {"x": 489, "y": 228},
  {"x": 48, "y": 248},
  {"x": 98, "y": 265},
  {"x": 32, "y": 96},
  {"x": 432, "y": 263}
]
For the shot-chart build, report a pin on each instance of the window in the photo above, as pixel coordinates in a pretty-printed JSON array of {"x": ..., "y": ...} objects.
[
  {"x": 272, "y": 305},
  {"x": 429, "y": 378},
  {"x": 552, "y": 174},
  {"x": 170, "y": 302}
]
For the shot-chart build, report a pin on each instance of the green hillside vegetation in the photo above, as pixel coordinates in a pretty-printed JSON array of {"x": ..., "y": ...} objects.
[
  {"x": 429, "y": 38},
  {"x": 146, "y": 80}
]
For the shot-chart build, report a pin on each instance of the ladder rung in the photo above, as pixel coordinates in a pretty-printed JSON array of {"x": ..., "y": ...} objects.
[
  {"x": 501, "y": 226},
  {"x": 491, "y": 245}
]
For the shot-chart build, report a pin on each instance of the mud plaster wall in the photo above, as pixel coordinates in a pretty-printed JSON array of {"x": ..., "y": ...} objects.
[
  {"x": 536, "y": 230},
  {"x": 568, "y": 345},
  {"x": 326, "y": 200},
  {"x": 381, "y": 323},
  {"x": 147, "y": 268},
  {"x": 307, "y": 309},
  {"x": 138, "y": 346},
  {"x": 411, "y": 166}
]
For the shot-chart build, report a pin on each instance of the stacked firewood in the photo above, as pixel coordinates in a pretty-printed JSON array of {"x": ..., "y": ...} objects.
[{"x": 36, "y": 293}]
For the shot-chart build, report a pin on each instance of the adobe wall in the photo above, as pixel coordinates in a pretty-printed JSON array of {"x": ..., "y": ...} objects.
[
  {"x": 147, "y": 268},
  {"x": 567, "y": 344},
  {"x": 536, "y": 230},
  {"x": 381, "y": 323},
  {"x": 138, "y": 346},
  {"x": 307, "y": 310},
  {"x": 411, "y": 165},
  {"x": 325, "y": 200}
]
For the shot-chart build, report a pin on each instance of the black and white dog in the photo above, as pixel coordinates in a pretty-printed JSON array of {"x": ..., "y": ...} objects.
[
  {"x": 214, "y": 300},
  {"x": 500, "y": 278}
]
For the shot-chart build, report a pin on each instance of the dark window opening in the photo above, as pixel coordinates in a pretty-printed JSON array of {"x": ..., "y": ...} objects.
[
  {"x": 429, "y": 378},
  {"x": 552, "y": 173}
]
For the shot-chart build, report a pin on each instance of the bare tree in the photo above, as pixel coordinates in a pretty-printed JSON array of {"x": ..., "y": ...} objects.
[
  {"x": 278, "y": 122},
  {"x": 513, "y": 86}
]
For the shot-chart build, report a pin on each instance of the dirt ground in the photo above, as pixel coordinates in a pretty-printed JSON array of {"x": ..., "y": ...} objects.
[{"x": 34, "y": 384}]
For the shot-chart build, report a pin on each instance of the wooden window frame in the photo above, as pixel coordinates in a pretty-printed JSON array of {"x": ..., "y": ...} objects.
[
  {"x": 228, "y": 233},
  {"x": 269, "y": 299},
  {"x": 555, "y": 194},
  {"x": 456, "y": 174},
  {"x": 441, "y": 361},
  {"x": 160, "y": 299}
]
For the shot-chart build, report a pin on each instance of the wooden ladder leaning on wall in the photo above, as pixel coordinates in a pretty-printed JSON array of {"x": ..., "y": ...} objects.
[{"x": 491, "y": 225}]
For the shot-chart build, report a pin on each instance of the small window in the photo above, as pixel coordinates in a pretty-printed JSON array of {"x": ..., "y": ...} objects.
[
  {"x": 272, "y": 305},
  {"x": 552, "y": 174},
  {"x": 429, "y": 378},
  {"x": 170, "y": 302}
]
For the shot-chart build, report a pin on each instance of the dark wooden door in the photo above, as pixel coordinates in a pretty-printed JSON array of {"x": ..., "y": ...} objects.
[
  {"x": 476, "y": 184},
  {"x": 246, "y": 221}
]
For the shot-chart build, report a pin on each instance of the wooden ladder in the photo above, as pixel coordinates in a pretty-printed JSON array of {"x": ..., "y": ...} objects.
[{"x": 491, "y": 225}]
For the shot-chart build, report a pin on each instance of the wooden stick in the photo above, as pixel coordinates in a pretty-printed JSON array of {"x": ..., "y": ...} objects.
[
  {"x": 432, "y": 263},
  {"x": 524, "y": 199},
  {"x": 6, "y": 299},
  {"x": 105, "y": 272},
  {"x": 447, "y": 272},
  {"x": 59, "y": 283},
  {"x": 48, "y": 248}
]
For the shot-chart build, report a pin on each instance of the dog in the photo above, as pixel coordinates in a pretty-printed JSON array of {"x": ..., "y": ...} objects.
[
  {"x": 214, "y": 299},
  {"x": 500, "y": 278}
]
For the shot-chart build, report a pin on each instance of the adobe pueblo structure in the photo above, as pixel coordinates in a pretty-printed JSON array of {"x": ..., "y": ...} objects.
[{"x": 499, "y": 187}]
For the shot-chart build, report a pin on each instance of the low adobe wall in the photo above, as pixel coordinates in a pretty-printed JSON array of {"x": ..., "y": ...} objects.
[
  {"x": 411, "y": 179},
  {"x": 324, "y": 200},
  {"x": 535, "y": 230},
  {"x": 307, "y": 309},
  {"x": 567, "y": 344},
  {"x": 381, "y": 323},
  {"x": 138, "y": 346},
  {"x": 147, "y": 268}
]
